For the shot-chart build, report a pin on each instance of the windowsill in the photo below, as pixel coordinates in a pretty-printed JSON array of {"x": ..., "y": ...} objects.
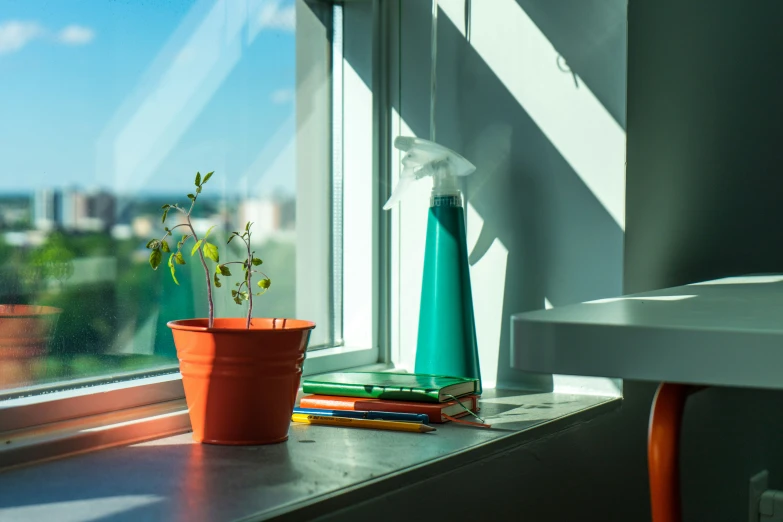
[{"x": 320, "y": 469}]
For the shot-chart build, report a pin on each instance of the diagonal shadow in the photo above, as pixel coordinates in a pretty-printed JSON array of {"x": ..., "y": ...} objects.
[{"x": 591, "y": 37}]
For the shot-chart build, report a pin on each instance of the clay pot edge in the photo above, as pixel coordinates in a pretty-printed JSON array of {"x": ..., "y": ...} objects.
[{"x": 178, "y": 325}]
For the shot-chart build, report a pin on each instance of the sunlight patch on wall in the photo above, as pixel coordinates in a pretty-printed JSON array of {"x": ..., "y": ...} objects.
[
  {"x": 567, "y": 112},
  {"x": 488, "y": 284}
]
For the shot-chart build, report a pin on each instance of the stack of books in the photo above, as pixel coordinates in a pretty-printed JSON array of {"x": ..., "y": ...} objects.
[{"x": 439, "y": 397}]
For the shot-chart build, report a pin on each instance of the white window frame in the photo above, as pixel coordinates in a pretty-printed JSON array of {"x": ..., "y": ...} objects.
[
  {"x": 49, "y": 420},
  {"x": 348, "y": 294}
]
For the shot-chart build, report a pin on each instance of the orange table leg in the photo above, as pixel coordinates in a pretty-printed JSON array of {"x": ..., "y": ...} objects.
[{"x": 663, "y": 448}]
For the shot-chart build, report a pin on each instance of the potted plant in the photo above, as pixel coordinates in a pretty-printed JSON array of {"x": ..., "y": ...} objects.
[{"x": 241, "y": 375}]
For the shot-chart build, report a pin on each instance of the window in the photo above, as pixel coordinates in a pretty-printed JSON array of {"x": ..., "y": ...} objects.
[{"x": 109, "y": 109}]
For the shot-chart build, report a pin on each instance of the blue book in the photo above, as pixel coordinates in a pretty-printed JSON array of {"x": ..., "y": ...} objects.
[{"x": 376, "y": 415}]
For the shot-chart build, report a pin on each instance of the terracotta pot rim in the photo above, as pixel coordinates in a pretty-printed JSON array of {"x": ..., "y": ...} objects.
[
  {"x": 179, "y": 324},
  {"x": 27, "y": 310}
]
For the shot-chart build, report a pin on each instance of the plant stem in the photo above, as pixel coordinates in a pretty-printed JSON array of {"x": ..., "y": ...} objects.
[
  {"x": 169, "y": 231},
  {"x": 211, "y": 321},
  {"x": 172, "y": 229},
  {"x": 188, "y": 224},
  {"x": 249, "y": 287}
]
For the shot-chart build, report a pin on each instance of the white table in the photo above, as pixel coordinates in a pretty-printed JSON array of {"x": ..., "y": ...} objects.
[{"x": 727, "y": 332}]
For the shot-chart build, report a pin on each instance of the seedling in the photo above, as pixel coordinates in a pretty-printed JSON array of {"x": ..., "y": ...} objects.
[
  {"x": 244, "y": 290},
  {"x": 207, "y": 250}
]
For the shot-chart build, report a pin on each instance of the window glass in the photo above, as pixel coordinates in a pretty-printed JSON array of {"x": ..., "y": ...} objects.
[{"x": 107, "y": 111}]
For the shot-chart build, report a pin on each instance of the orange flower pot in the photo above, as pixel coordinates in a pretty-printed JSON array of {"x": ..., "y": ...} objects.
[
  {"x": 25, "y": 333},
  {"x": 241, "y": 385}
]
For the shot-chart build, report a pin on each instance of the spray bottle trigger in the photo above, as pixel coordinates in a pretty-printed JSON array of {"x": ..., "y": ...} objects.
[{"x": 406, "y": 178}]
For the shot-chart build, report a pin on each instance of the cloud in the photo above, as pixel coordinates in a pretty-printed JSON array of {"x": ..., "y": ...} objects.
[
  {"x": 273, "y": 16},
  {"x": 76, "y": 35},
  {"x": 15, "y": 34},
  {"x": 281, "y": 96}
]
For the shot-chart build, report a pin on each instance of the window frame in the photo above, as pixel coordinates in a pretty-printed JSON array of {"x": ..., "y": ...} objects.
[
  {"x": 25, "y": 412},
  {"x": 339, "y": 166}
]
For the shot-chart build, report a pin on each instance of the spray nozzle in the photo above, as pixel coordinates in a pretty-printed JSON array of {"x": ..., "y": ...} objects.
[{"x": 425, "y": 158}]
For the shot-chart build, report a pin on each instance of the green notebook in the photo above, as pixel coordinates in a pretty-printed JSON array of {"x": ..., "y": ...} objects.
[{"x": 392, "y": 386}]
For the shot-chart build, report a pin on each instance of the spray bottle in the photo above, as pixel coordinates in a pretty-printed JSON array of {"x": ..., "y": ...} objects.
[{"x": 446, "y": 343}]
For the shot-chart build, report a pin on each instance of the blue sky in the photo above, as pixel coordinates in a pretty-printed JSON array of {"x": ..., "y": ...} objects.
[{"x": 136, "y": 95}]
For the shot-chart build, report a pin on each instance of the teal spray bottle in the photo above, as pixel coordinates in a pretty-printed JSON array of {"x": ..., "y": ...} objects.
[{"x": 446, "y": 343}]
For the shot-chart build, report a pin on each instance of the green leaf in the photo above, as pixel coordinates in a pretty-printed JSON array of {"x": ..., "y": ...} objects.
[
  {"x": 224, "y": 270},
  {"x": 211, "y": 251},
  {"x": 196, "y": 247},
  {"x": 208, "y": 231},
  {"x": 247, "y": 226},
  {"x": 179, "y": 259},
  {"x": 171, "y": 261},
  {"x": 164, "y": 207},
  {"x": 217, "y": 281},
  {"x": 165, "y": 213},
  {"x": 237, "y": 300},
  {"x": 151, "y": 243},
  {"x": 174, "y": 275},
  {"x": 165, "y": 246},
  {"x": 206, "y": 178},
  {"x": 229, "y": 239},
  {"x": 155, "y": 257},
  {"x": 198, "y": 189},
  {"x": 256, "y": 261},
  {"x": 233, "y": 293},
  {"x": 191, "y": 196},
  {"x": 198, "y": 178},
  {"x": 265, "y": 283}
]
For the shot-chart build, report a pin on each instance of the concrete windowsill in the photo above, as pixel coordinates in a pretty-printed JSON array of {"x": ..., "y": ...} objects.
[{"x": 319, "y": 470}]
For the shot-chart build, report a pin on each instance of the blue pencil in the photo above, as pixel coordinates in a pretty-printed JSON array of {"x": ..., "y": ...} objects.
[{"x": 377, "y": 415}]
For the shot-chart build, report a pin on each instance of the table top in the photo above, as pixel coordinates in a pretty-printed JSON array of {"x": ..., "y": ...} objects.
[{"x": 726, "y": 332}]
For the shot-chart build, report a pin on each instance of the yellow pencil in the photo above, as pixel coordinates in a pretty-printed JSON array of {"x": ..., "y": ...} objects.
[{"x": 362, "y": 423}]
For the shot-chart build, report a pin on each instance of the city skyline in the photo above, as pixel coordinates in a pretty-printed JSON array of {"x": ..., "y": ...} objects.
[{"x": 93, "y": 210}]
